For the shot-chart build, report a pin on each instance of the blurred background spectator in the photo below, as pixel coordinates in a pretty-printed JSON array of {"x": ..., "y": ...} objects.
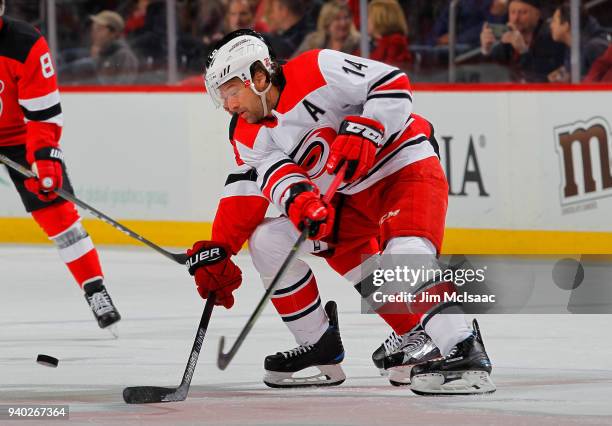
[
  {"x": 288, "y": 25},
  {"x": 471, "y": 15},
  {"x": 593, "y": 42},
  {"x": 411, "y": 34},
  {"x": 149, "y": 39},
  {"x": 109, "y": 59},
  {"x": 136, "y": 14},
  {"x": 526, "y": 45},
  {"x": 241, "y": 14},
  {"x": 335, "y": 30},
  {"x": 601, "y": 71},
  {"x": 388, "y": 31}
]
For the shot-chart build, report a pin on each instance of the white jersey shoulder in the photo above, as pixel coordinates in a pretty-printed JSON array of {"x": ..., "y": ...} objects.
[{"x": 321, "y": 89}]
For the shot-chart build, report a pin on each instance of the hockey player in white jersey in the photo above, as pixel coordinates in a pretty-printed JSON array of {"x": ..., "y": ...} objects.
[{"x": 293, "y": 126}]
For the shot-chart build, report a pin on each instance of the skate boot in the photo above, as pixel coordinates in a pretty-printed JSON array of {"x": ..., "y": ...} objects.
[
  {"x": 101, "y": 304},
  {"x": 465, "y": 371},
  {"x": 390, "y": 346},
  {"x": 398, "y": 354},
  {"x": 325, "y": 355}
]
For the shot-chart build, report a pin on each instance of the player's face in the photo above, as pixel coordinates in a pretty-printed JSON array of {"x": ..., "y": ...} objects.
[
  {"x": 239, "y": 99},
  {"x": 524, "y": 17}
]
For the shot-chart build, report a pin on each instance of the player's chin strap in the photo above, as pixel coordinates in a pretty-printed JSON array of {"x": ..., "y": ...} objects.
[{"x": 262, "y": 96}]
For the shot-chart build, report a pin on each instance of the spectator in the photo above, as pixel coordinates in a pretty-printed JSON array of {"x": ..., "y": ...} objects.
[
  {"x": 149, "y": 41},
  {"x": 201, "y": 24},
  {"x": 207, "y": 21},
  {"x": 335, "y": 30},
  {"x": 136, "y": 19},
  {"x": 110, "y": 59},
  {"x": 471, "y": 14},
  {"x": 260, "y": 7},
  {"x": 527, "y": 46},
  {"x": 288, "y": 26},
  {"x": 593, "y": 42},
  {"x": 388, "y": 29},
  {"x": 114, "y": 60},
  {"x": 601, "y": 71},
  {"x": 241, "y": 14}
]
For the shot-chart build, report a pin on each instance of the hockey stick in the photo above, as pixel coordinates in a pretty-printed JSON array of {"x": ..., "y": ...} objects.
[
  {"x": 177, "y": 257},
  {"x": 223, "y": 359},
  {"x": 153, "y": 394}
]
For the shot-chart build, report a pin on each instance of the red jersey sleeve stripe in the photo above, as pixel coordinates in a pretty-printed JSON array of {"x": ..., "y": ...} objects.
[
  {"x": 285, "y": 170},
  {"x": 399, "y": 83}
]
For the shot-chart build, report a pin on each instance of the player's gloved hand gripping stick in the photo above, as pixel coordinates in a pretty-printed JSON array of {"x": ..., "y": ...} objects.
[
  {"x": 224, "y": 359},
  {"x": 177, "y": 257}
]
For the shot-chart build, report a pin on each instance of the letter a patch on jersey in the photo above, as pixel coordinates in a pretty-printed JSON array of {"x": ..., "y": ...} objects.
[{"x": 312, "y": 109}]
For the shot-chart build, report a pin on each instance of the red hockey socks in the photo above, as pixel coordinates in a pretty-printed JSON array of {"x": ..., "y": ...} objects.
[
  {"x": 299, "y": 306},
  {"x": 61, "y": 222}
]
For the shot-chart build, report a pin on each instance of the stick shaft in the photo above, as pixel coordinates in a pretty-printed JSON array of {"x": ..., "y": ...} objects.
[
  {"x": 177, "y": 257},
  {"x": 197, "y": 343}
]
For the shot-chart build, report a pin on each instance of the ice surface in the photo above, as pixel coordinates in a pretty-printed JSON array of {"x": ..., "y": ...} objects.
[{"x": 549, "y": 369}]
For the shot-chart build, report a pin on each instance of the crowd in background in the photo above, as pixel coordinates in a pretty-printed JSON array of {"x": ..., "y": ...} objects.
[{"x": 125, "y": 41}]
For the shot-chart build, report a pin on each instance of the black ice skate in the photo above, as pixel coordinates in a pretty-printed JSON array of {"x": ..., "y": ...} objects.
[
  {"x": 390, "y": 346},
  {"x": 465, "y": 371},
  {"x": 101, "y": 305},
  {"x": 325, "y": 355},
  {"x": 398, "y": 354}
]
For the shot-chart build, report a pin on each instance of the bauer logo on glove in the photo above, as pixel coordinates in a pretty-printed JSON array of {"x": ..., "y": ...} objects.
[
  {"x": 213, "y": 270},
  {"x": 205, "y": 257}
]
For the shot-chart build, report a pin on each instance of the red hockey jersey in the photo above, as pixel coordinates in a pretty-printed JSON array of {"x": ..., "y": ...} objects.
[
  {"x": 30, "y": 111},
  {"x": 321, "y": 88}
]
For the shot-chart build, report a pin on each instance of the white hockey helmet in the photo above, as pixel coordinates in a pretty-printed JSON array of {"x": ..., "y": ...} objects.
[{"x": 233, "y": 56}]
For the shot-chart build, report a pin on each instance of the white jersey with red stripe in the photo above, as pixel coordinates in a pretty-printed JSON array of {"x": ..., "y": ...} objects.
[{"x": 321, "y": 88}]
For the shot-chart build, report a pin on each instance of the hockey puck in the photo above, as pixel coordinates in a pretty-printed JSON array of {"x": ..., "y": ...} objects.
[{"x": 47, "y": 361}]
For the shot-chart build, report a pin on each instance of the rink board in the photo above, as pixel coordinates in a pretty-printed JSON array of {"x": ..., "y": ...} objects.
[{"x": 529, "y": 171}]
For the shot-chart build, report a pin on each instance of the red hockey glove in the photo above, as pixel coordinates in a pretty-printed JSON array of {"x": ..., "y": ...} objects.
[
  {"x": 356, "y": 143},
  {"x": 47, "y": 164},
  {"x": 210, "y": 264},
  {"x": 305, "y": 206}
]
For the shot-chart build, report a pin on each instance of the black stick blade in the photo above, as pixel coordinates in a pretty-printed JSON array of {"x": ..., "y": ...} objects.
[
  {"x": 152, "y": 394},
  {"x": 223, "y": 359}
]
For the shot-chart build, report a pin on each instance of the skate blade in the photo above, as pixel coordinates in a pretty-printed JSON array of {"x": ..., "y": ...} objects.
[
  {"x": 329, "y": 375},
  {"x": 470, "y": 383},
  {"x": 400, "y": 376},
  {"x": 113, "y": 330}
]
